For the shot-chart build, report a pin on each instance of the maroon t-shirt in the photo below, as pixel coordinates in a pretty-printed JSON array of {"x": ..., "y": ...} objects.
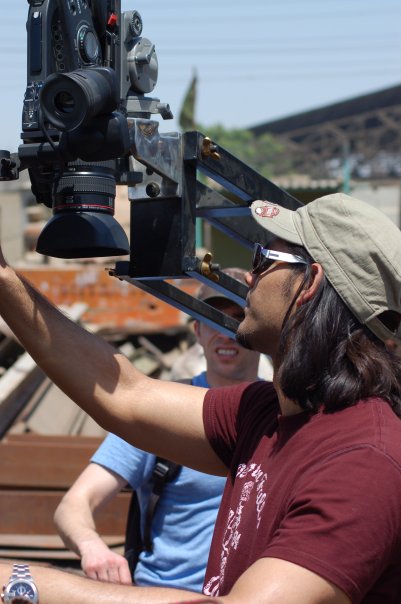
[{"x": 322, "y": 491}]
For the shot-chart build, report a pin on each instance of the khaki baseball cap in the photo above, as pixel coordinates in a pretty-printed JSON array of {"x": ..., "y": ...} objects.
[{"x": 357, "y": 245}]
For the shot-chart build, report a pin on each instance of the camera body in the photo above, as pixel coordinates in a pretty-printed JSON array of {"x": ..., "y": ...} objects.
[
  {"x": 88, "y": 73},
  {"x": 60, "y": 38}
]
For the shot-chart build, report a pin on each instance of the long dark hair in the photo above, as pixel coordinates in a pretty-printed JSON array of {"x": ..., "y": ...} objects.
[{"x": 327, "y": 358}]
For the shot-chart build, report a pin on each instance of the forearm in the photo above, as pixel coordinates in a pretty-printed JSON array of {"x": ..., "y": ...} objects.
[
  {"x": 59, "y": 587},
  {"x": 75, "y": 525}
]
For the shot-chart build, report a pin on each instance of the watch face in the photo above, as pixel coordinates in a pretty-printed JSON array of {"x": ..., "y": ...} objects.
[{"x": 20, "y": 589}]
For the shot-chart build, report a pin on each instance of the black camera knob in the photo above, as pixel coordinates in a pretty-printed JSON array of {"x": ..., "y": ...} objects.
[
  {"x": 88, "y": 45},
  {"x": 136, "y": 24}
]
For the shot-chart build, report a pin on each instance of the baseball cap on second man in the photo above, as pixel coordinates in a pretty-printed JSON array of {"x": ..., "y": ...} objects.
[
  {"x": 207, "y": 293},
  {"x": 357, "y": 245}
]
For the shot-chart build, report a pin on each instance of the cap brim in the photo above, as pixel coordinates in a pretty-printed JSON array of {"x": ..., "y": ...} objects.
[{"x": 277, "y": 220}]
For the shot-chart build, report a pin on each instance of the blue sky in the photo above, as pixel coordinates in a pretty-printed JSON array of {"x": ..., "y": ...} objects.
[{"x": 256, "y": 61}]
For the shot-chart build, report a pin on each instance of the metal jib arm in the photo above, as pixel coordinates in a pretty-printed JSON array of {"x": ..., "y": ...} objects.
[{"x": 186, "y": 177}]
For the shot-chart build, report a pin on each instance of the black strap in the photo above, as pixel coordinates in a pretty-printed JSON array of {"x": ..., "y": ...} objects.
[
  {"x": 164, "y": 471},
  {"x": 133, "y": 538}
]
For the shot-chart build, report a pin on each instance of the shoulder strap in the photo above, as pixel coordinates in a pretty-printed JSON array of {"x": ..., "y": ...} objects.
[
  {"x": 133, "y": 538},
  {"x": 163, "y": 472}
]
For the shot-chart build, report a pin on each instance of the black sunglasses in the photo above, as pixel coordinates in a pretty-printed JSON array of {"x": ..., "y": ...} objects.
[{"x": 263, "y": 258}]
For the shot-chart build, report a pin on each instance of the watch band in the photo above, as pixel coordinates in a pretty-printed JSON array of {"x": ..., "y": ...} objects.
[{"x": 21, "y": 571}]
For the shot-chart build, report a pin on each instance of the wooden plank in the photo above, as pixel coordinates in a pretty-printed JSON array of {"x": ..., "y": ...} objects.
[
  {"x": 46, "y": 554},
  {"x": 31, "y": 512},
  {"x": 36, "y": 554},
  {"x": 55, "y": 414},
  {"x": 17, "y": 386},
  {"x": 32, "y": 439},
  {"x": 53, "y": 542},
  {"x": 43, "y": 465}
]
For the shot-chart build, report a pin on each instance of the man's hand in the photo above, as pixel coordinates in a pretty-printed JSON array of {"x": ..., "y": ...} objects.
[{"x": 100, "y": 563}]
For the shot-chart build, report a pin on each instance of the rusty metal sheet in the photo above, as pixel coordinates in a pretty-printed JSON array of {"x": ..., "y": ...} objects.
[{"x": 110, "y": 302}]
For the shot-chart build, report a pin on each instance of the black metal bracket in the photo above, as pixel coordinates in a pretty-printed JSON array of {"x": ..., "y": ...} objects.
[{"x": 164, "y": 208}]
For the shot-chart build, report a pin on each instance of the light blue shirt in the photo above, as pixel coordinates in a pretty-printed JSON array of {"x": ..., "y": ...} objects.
[{"x": 183, "y": 524}]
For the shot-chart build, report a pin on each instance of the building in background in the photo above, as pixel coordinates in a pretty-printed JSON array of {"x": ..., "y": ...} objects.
[{"x": 354, "y": 145}]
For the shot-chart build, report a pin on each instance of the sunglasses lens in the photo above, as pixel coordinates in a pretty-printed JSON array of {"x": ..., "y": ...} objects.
[
  {"x": 264, "y": 258},
  {"x": 259, "y": 262},
  {"x": 256, "y": 258}
]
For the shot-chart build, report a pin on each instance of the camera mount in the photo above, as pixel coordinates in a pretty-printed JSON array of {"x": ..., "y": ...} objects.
[{"x": 164, "y": 209}]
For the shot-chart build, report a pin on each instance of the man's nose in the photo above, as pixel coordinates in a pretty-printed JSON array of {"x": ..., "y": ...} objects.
[{"x": 249, "y": 279}]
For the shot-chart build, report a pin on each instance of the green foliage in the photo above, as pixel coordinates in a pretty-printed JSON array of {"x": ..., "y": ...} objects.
[
  {"x": 265, "y": 154},
  {"x": 186, "y": 118}
]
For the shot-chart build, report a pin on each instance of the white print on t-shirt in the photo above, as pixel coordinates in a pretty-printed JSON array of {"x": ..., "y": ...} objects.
[
  {"x": 255, "y": 481},
  {"x": 260, "y": 478}
]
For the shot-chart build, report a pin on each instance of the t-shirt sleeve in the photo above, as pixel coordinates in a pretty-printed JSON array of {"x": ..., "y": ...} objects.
[
  {"x": 132, "y": 464},
  {"x": 228, "y": 411},
  {"x": 346, "y": 505}
]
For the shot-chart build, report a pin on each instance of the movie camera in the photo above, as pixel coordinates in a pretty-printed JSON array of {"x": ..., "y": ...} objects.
[{"x": 87, "y": 126}]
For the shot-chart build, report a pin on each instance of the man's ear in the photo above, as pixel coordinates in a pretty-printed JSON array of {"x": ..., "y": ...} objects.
[{"x": 309, "y": 292}]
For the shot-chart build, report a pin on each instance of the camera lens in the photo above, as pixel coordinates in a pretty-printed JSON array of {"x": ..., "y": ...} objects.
[
  {"x": 64, "y": 102},
  {"x": 83, "y": 223},
  {"x": 69, "y": 100}
]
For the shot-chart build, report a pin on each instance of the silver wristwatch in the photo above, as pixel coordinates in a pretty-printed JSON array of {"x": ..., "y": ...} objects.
[{"x": 20, "y": 587}]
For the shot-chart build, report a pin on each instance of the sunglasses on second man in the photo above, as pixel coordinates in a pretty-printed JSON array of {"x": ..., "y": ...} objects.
[{"x": 263, "y": 258}]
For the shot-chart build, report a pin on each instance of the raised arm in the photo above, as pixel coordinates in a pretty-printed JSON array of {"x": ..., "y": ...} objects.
[
  {"x": 159, "y": 417},
  {"x": 75, "y": 521}
]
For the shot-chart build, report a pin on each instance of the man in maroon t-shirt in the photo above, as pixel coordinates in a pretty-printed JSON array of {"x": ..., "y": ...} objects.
[{"x": 311, "y": 512}]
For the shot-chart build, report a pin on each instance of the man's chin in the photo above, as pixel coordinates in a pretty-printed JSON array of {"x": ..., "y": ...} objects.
[{"x": 243, "y": 338}]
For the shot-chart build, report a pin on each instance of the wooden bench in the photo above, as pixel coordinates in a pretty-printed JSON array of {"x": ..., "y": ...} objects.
[{"x": 35, "y": 472}]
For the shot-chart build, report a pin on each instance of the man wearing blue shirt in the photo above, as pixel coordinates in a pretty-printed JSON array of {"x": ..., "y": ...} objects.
[{"x": 183, "y": 524}]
